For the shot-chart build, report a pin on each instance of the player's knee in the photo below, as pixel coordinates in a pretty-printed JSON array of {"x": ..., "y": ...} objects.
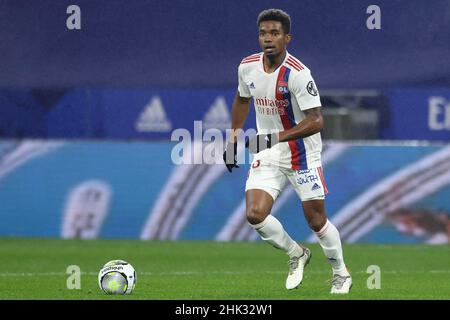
[
  {"x": 317, "y": 223},
  {"x": 255, "y": 214}
]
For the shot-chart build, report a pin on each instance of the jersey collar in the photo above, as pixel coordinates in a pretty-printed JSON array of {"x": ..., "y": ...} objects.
[{"x": 277, "y": 69}]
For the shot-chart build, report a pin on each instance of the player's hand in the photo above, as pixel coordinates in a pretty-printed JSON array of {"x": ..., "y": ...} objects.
[
  {"x": 229, "y": 156},
  {"x": 261, "y": 142}
]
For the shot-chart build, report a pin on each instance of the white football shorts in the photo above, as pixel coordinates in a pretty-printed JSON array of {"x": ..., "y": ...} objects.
[{"x": 309, "y": 184}]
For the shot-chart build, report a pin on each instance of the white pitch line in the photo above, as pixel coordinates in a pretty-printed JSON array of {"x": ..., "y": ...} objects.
[{"x": 184, "y": 273}]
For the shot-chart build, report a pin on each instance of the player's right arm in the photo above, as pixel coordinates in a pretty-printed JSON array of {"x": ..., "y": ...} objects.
[{"x": 239, "y": 114}]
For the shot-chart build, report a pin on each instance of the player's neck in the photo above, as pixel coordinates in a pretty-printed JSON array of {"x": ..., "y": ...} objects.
[{"x": 271, "y": 63}]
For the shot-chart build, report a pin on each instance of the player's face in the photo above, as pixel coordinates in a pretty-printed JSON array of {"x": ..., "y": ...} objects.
[{"x": 272, "y": 39}]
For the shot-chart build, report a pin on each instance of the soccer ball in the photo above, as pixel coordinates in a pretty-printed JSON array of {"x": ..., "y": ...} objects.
[{"x": 117, "y": 277}]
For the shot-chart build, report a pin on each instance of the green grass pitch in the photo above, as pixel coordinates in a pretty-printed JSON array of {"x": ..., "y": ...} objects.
[{"x": 186, "y": 270}]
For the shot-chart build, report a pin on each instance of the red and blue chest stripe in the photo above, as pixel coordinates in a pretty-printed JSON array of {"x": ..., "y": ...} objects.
[{"x": 298, "y": 152}]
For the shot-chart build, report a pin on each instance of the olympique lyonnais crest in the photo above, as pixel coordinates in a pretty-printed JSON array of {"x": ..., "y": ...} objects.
[{"x": 283, "y": 87}]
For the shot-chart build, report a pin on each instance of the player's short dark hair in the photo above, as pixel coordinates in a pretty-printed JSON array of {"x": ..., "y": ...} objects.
[{"x": 276, "y": 15}]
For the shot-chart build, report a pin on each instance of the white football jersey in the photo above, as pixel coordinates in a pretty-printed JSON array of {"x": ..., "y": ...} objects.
[{"x": 280, "y": 98}]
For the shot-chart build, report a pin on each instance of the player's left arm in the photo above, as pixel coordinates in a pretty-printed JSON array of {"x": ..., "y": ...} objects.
[
  {"x": 312, "y": 124},
  {"x": 303, "y": 88}
]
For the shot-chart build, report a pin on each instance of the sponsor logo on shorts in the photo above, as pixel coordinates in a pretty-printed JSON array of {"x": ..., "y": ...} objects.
[
  {"x": 307, "y": 178},
  {"x": 304, "y": 171},
  {"x": 315, "y": 187}
]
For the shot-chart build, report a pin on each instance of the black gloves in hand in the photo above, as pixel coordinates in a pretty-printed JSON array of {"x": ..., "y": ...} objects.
[
  {"x": 257, "y": 144},
  {"x": 261, "y": 142},
  {"x": 229, "y": 156}
]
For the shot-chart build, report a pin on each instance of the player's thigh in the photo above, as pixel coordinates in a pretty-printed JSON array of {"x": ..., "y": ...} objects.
[
  {"x": 263, "y": 186},
  {"x": 308, "y": 184},
  {"x": 266, "y": 177},
  {"x": 311, "y": 188}
]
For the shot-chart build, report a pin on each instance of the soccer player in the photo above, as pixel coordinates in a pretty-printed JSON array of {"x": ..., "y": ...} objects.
[{"x": 287, "y": 147}]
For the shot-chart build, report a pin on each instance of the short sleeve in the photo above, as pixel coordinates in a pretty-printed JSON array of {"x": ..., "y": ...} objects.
[
  {"x": 304, "y": 88},
  {"x": 244, "y": 92}
]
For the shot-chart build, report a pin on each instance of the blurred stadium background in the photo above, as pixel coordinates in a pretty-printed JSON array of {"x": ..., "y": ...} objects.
[{"x": 86, "y": 118}]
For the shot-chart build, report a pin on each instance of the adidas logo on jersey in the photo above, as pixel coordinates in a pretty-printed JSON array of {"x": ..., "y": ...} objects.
[
  {"x": 252, "y": 86},
  {"x": 153, "y": 118},
  {"x": 217, "y": 116},
  {"x": 315, "y": 187}
]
